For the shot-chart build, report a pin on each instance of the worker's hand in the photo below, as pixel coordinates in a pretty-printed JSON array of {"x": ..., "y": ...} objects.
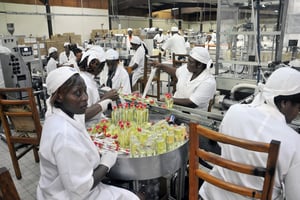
[
  {"x": 104, "y": 104},
  {"x": 108, "y": 159},
  {"x": 112, "y": 94}
]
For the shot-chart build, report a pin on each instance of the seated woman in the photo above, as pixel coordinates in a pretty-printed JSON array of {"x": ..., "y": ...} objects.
[
  {"x": 196, "y": 86},
  {"x": 71, "y": 167},
  {"x": 91, "y": 65},
  {"x": 116, "y": 76}
]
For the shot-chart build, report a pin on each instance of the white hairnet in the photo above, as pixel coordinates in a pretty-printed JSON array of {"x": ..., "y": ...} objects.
[
  {"x": 283, "y": 81},
  {"x": 91, "y": 57},
  {"x": 160, "y": 29},
  {"x": 202, "y": 55},
  {"x": 129, "y": 29},
  {"x": 135, "y": 40},
  {"x": 98, "y": 51},
  {"x": 174, "y": 29},
  {"x": 58, "y": 77},
  {"x": 112, "y": 54},
  {"x": 51, "y": 50},
  {"x": 66, "y": 44}
]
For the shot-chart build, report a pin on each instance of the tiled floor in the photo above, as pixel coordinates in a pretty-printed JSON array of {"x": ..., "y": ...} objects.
[{"x": 30, "y": 172}]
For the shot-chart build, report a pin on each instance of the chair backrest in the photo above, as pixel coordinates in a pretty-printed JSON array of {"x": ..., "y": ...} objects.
[
  {"x": 22, "y": 113},
  {"x": 7, "y": 187},
  {"x": 196, "y": 152},
  {"x": 147, "y": 70}
]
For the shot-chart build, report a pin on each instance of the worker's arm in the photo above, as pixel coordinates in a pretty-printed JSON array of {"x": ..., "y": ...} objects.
[
  {"x": 184, "y": 102},
  {"x": 170, "y": 70}
]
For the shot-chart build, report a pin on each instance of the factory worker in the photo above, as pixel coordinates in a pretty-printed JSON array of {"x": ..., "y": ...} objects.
[
  {"x": 70, "y": 165},
  {"x": 275, "y": 105},
  {"x": 196, "y": 86},
  {"x": 116, "y": 77},
  {"x": 209, "y": 42},
  {"x": 159, "y": 38},
  {"x": 52, "y": 59},
  {"x": 176, "y": 43},
  {"x": 91, "y": 65},
  {"x": 137, "y": 61},
  {"x": 66, "y": 55},
  {"x": 74, "y": 61},
  {"x": 128, "y": 40}
]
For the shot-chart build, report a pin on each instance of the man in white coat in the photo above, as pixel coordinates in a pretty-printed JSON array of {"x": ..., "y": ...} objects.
[
  {"x": 137, "y": 61},
  {"x": 176, "y": 44},
  {"x": 67, "y": 55},
  {"x": 116, "y": 76},
  {"x": 70, "y": 164},
  {"x": 276, "y": 104}
]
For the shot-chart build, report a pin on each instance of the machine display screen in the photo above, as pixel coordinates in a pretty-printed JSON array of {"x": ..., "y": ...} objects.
[{"x": 21, "y": 77}]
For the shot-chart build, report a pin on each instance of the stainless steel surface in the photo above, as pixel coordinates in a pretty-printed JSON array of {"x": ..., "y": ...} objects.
[
  {"x": 150, "y": 167},
  {"x": 15, "y": 71}
]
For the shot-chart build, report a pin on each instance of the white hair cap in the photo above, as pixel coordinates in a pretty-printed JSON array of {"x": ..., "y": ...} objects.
[
  {"x": 66, "y": 44},
  {"x": 135, "y": 40},
  {"x": 98, "y": 51},
  {"x": 58, "y": 77},
  {"x": 95, "y": 50},
  {"x": 91, "y": 57},
  {"x": 174, "y": 29},
  {"x": 283, "y": 81},
  {"x": 202, "y": 55},
  {"x": 129, "y": 29},
  {"x": 51, "y": 50},
  {"x": 160, "y": 29},
  {"x": 111, "y": 54}
]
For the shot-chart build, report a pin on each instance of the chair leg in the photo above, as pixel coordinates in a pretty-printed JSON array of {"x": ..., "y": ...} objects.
[
  {"x": 14, "y": 160},
  {"x": 36, "y": 154}
]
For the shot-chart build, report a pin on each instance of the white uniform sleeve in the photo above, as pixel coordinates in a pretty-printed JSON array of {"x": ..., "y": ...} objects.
[{"x": 76, "y": 177}]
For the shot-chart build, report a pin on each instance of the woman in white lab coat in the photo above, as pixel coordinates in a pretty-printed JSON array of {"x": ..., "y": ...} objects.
[
  {"x": 266, "y": 118},
  {"x": 71, "y": 167},
  {"x": 91, "y": 65},
  {"x": 52, "y": 62},
  {"x": 116, "y": 77},
  {"x": 196, "y": 86},
  {"x": 137, "y": 61}
]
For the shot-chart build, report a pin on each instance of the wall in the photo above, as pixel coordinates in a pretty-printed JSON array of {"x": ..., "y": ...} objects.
[{"x": 31, "y": 20}]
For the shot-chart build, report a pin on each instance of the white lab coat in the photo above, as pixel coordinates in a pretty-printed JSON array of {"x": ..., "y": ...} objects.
[
  {"x": 199, "y": 91},
  {"x": 259, "y": 123},
  {"x": 176, "y": 44},
  {"x": 93, "y": 96},
  {"x": 51, "y": 65},
  {"x": 67, "y": 160},
  {"x": 120, "y": 79},
  {"x": 160, "y": 38},
  {"x": 139, "y": 59},
  {"x": 63, "y": 58}
]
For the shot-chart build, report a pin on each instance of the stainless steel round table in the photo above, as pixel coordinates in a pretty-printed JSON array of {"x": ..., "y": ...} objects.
[{"x": 145, "y": 168}]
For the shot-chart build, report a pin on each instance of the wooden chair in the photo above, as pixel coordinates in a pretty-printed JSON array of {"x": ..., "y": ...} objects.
[
  {"x": 147, "y": 70},
  {"x": 21, "y": 123},
  {"x": 177, "y": 63},
  {"x": 8, "y": 189},
  {"x": 267, "y": 172}
]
